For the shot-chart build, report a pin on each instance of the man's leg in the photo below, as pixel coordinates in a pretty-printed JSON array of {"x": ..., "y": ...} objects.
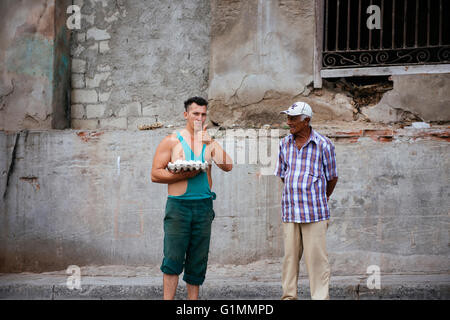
[
  {"x": 170, "y": 283},
  {"x": 192, "y": 291},
  {"x": 176, "y": 239},
  {"x": 198, "y": 249},
  {"x": 292, "y": 253},
  {"x": 316, "y": 258}
]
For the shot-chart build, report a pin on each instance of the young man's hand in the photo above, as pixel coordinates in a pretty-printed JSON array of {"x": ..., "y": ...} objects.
[
  {"x": 206, "y": 138},
  {"x": 188, "y": 174},
  {"x": 201, "y": 135}
]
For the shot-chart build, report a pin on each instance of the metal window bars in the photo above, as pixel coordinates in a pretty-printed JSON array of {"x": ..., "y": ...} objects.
[{"x": 408, "y": 32}]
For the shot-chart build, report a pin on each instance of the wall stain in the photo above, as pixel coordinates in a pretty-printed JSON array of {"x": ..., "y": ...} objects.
[
  {"x": 31, "y": 55},
  {"x": 89, "y": 136},
  {"x": 33, "y": 181}
]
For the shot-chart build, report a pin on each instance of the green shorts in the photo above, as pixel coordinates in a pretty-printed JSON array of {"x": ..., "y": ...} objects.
[{"x": 187, "y": 233}]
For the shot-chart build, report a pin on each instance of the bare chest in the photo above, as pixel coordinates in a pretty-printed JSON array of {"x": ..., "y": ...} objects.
[{"x": 178, "y": 152}]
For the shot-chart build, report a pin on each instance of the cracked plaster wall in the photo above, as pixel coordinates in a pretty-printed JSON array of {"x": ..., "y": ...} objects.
[
  {"x": 34, "y": 65},
  {"x": 135, "y": 62},
  {"x": 424, "y": 95},
  {"x": 257, "y": 60},
  {"x": 262, "y": 62}
]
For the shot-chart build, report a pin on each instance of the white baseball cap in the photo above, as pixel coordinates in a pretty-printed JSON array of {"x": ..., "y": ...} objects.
[{"x": 299, "y": 108}]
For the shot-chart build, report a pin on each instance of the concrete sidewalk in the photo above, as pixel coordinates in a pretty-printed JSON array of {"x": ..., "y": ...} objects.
[{"x": 260, "y": 280}]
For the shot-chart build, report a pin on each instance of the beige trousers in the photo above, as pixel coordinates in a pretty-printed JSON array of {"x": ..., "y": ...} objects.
[{"x": 308, "y": 239}]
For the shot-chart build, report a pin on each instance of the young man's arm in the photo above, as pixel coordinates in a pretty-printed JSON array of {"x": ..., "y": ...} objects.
[
  {"x": 162, "y": 157},
  {"x": 219, "y": 156}
]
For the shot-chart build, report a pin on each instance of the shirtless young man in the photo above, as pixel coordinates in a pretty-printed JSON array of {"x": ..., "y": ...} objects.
[{"x": 189, "y": 208}]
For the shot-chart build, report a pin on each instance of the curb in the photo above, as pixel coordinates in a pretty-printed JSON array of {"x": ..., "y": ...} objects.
[{"x": 39, "y": 287}]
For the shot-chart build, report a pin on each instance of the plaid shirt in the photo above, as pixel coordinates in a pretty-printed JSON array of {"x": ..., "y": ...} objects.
[{"x": 305, "y": 173}]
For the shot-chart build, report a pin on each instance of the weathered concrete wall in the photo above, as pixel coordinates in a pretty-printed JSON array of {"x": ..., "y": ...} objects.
[
  {"x": 66, "y": 197},
  {"x": 34, "y": 65},
  {"x": 425, "y": 95},
  {"x": 71, "y": 200},
  {"x": 137, "y": 61},
  {"x": 259, "y": 64},
  {"x": 134, "y": 62},
  {"x": 262, "y": 61}
]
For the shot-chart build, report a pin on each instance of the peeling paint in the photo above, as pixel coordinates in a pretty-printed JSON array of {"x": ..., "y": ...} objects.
[
  {"x": 31, "y": 55},
  {"x": 87, "y": 136},
  {"x": 33, "y": 181}
]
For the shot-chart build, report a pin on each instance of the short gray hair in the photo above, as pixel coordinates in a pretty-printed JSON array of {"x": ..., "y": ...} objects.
[{"x": 304, "y": 116}]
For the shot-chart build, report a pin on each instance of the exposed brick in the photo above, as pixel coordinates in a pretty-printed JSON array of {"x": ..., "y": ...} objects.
[
  {"x": 121, "y": 112},
  {"x": 77, "y": 111},
  {"x": 84, "y": 124},
  {"x": 78, "y": 81},
  {"x": 349, "y": 133},
  {"x": 113, "y": 123},
  {"x": 90, "y": 19},
  {"x": 78, "y": 66},
  {"x": 94, "y": 47},
  {"x": 104, "y": 46},
  {"x": 149, "y": 111},
  {"x": 84, "y": 96},
  {"x": 76, "y": 51},
  {"x": 81, "y": 36},
  {"x": 98, "y": 78},
  {"x": 104, "y": 96},
  {"x": 89, "y": 136},
  {"x": 103, "y": 68},
  {"x": 375, "y": 135},
  {"x": 95, "y": 110},
  {"x": 97, "y": 34},
  {"x": 385, "y": 138},
  {"x": 375, "y": 132},
  {"x": 134, "y": 109}
]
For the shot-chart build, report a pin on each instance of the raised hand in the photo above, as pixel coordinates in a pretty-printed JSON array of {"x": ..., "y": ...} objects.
[{"x": 205, "y": 137}]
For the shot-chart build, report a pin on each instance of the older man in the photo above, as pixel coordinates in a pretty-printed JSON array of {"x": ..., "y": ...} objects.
[{"x": 307, "y": 166}]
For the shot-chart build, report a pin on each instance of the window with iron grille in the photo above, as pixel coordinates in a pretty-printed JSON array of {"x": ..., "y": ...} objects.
[{"x": 369, "y": 34}]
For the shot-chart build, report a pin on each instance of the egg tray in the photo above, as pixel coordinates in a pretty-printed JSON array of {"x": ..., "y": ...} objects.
[{"x": 187, "y": 165}]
